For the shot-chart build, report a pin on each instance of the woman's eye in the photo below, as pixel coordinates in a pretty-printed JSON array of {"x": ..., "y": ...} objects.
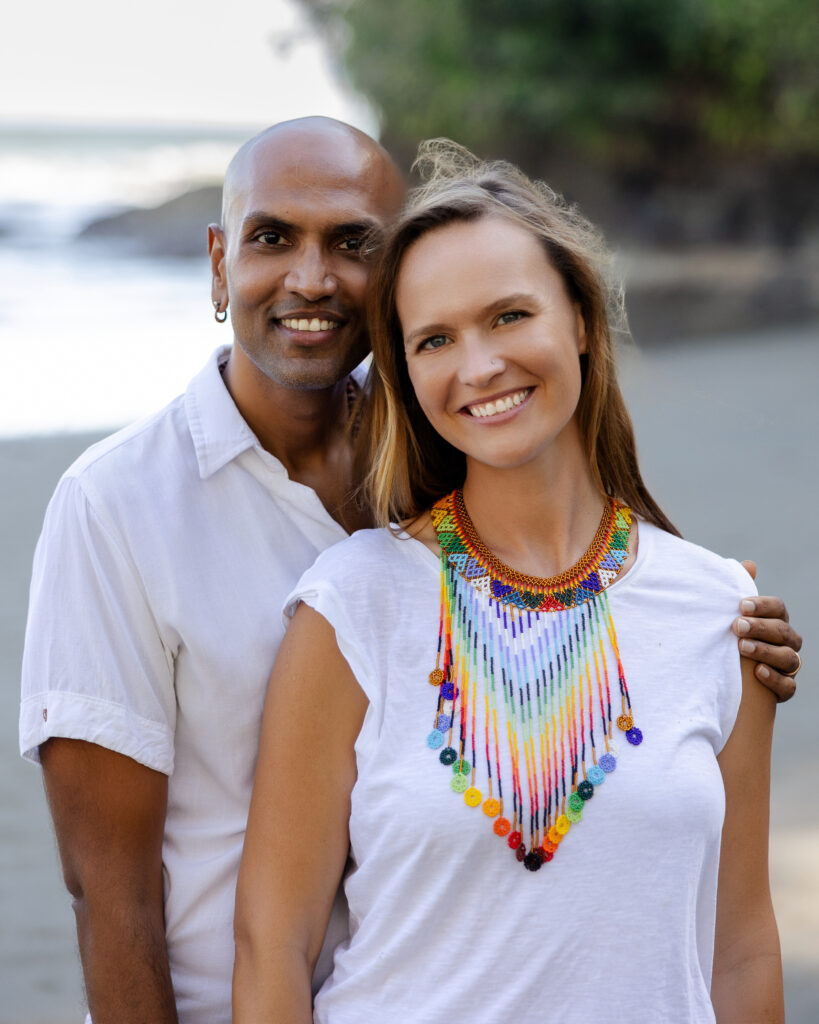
[
  {"x": 351, "y": 244},
  {"x": 436, "y": 341},
  {"x": 511, "y": 316}
]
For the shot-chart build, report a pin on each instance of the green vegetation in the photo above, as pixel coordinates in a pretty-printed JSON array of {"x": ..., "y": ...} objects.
[{"x": 630, "y": 84}]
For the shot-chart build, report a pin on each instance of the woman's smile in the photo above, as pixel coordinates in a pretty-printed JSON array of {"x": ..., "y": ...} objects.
[{"x": 493, "y": 409}]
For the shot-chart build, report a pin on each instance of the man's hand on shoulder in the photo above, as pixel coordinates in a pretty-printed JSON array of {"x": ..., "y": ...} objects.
[
  {"x": 767, "y": 637},
  {"x": 109, "y": 816}
]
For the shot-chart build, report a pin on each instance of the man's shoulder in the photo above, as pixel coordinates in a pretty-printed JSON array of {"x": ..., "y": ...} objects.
[{"x": 142, "y": 451}]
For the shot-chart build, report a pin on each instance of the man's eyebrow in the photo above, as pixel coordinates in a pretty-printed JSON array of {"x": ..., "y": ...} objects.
[
  {"x": 260, "y": 218},
  {"x": 354, "y": 227},
  {"x": 496, "y": 305}
]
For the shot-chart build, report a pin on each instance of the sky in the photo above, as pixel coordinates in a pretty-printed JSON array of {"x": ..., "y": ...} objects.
[{"x": 167, "y": 61}]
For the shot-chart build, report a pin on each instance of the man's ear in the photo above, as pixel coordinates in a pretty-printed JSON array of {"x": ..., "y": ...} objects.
[{"x": 216, "y": 249}]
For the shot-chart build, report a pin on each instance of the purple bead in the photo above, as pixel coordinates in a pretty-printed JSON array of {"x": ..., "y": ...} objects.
[{"x": 634, "y": 736}]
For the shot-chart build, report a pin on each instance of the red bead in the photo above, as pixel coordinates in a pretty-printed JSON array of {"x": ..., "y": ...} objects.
[{"x": 514, "y": 840}]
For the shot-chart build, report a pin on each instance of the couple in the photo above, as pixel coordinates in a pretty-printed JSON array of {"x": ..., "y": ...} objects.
[{"x": 169, "y": 550}]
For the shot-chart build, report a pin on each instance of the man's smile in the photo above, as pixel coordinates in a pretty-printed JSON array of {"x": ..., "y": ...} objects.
[{"x": 312, "y": 325}]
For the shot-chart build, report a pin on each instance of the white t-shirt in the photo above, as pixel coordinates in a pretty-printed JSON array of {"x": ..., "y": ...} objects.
[
  {"x": 445, "y": 926},
  {"x": 154, "y": 620}
]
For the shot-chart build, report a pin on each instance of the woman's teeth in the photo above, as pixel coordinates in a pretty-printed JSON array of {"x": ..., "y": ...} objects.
[
  {"x": 309, "y": 325},
  {"x": 501, "y": 405}
]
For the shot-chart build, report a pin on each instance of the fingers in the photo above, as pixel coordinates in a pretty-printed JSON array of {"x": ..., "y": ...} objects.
[
  {"x": 749, "y": 567},
  {"x": 775, "y": 632},
  {"x": 783, "y": 686},
  {"x": 767, "y": 637},
  {"x": 764, "y": 607}
]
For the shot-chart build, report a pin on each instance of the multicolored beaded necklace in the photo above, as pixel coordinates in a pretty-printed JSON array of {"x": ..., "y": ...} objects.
[{"x": 532, "y": 656}]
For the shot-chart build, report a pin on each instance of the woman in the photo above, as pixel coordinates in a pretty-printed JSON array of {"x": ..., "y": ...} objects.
[{"x": 536, "y": 835}]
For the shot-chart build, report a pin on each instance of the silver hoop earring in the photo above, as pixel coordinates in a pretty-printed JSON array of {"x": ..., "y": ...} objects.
[{"x": 219, "y": 315}]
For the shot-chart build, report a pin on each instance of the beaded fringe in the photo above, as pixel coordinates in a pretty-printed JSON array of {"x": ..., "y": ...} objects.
[{"x": 528, "y": 693}]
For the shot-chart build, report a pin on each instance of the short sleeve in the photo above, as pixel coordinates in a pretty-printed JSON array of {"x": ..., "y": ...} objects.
[
  {"x": 323, "y": 597},
  {"x": 730, "y": 693},
  {"x": 331, "y": 587},
  {"x": 94, "y": 664}
]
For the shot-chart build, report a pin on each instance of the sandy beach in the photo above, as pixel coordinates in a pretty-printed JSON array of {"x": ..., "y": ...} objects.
[{"x": 712, "y": 416}]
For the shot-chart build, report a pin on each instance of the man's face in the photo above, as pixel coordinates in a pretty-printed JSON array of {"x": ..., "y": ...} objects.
[{"x": 295, "y": 279}]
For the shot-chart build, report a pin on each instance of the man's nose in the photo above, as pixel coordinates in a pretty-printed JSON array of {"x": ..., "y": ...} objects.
[{"x": 309, "y": 274}]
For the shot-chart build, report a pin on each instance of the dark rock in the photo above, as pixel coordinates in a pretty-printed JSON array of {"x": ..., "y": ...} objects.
[
  {"x": 176, "y": 228},
  {"x": 712, "y": 290}
]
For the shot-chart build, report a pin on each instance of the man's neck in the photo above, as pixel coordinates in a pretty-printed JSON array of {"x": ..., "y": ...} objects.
[
  {"x": 297, "y": 425},
  {"x": 305, "y": 430}
]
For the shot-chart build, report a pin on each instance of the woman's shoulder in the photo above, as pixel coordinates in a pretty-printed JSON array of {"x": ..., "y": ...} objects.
[
  {"x": 365, "y": 556},
  {"x": 685, "y": 561}
]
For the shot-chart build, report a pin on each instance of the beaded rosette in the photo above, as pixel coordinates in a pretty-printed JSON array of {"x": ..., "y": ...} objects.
[{"x": 524, "y": 673}]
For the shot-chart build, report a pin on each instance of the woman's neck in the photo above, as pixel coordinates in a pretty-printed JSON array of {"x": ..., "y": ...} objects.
[{"x": 538, "y": 523}]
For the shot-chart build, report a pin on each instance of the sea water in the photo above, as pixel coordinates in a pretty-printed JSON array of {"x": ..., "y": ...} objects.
[{"x": 91, "y": 337}]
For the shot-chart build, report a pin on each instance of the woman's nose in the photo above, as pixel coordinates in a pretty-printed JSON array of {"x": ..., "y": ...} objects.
[{"x": 481, "y": 363}]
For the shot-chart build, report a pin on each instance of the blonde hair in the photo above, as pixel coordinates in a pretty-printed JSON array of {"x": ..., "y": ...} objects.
[{"x": 405, "y": 464}]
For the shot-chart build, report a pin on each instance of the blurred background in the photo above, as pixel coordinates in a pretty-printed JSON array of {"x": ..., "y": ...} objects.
[{"x": 687, "y": 130}]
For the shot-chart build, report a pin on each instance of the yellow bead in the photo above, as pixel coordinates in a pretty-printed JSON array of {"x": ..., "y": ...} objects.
[
  {"x": 473, "y": 796},
  {"x": 436, "y": 677},
  {"x": 563, "y": 824}
]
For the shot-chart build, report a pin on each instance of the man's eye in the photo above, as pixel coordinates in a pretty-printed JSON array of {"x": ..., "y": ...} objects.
[
  {"x": 436, "y": 341},
  {"x": 270, "y": 238},
  {"x": 511, "y": 316},
  {"x": 351, "y": 244}
]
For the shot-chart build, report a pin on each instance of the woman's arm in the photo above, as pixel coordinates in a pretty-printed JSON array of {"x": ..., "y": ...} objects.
[
  {"x": 747, "y": 982},
  {"x": 298, "y": 830}
]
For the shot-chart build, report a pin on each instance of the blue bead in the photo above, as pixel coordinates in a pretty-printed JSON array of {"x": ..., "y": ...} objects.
[
  {"x": 448, "y": 691},
  {"x": 435, "y": 739},
  {"x": 443, "y": 722},
  {"x": 608, "y": 762},
  {"x": 634, "y": 736},
  {"x": 596, "y": 775}
]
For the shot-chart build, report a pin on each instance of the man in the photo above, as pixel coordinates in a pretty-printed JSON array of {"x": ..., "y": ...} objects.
[{"x": 165, "y": 557}]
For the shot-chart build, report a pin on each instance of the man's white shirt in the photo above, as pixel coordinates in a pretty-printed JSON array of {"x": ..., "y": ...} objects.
[{"x": 155, "y": 615}]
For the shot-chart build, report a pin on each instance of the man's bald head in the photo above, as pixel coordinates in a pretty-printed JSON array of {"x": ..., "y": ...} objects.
[
  {"x": 319, "y": 144},
  {"x": 299, "y": 201}
]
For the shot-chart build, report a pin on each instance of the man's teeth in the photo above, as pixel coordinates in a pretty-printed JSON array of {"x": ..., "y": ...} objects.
[
  {"x": 309, "y": 325},
  {"x": 501, "y": 405}
]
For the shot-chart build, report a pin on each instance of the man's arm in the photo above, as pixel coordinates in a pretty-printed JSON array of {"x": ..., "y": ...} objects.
[
  {"x": 109, "y": 816},
  {"x": 767, "y": 637}
]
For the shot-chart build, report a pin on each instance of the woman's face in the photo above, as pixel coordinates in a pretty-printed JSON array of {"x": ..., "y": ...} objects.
[{"x": 492, "y": 342}]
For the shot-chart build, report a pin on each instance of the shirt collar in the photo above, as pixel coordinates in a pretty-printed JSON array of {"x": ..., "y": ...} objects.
[{"x": 217, "y": 428}]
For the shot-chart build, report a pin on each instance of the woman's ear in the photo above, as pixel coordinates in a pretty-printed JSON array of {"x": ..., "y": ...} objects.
[{"x": 582, "y": 346}]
